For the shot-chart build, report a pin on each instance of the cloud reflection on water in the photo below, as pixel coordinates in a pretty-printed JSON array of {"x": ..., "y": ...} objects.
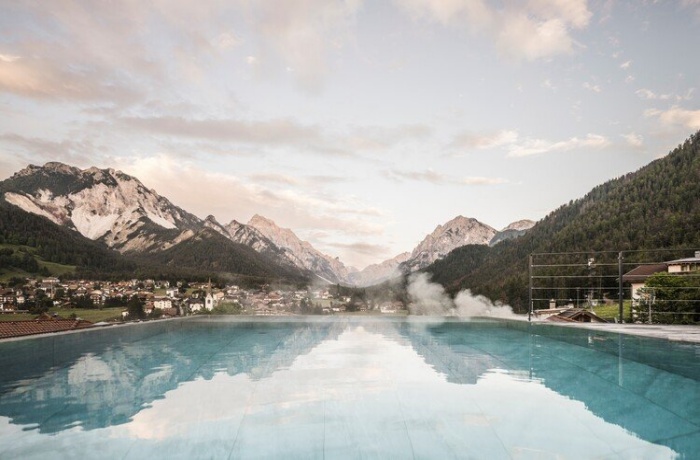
[{"x": 376, "y": 389}]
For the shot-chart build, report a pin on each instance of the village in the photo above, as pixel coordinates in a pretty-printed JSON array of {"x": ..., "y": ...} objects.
[{"x": 165, "y": 299}]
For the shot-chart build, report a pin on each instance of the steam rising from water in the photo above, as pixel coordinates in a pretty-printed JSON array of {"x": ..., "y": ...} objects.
[{"x": 428, "y": 298}]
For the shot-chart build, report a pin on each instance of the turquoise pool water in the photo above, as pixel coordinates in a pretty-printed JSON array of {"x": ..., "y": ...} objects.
[{"x": 349, "y": 388}]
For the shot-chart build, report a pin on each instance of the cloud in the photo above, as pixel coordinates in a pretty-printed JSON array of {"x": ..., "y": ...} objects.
[
  {"x": 420, "y": 176},
  {"x": 364, "y": 248},
  {"x": 8, "y": 58},
  {"x": 676, "y": 116},
  {"x": 692, "y": 4},
  {"x": 592, "y": 87},
  {"x": 436, "y": 178},
  {"x": 373, "y": 138},
  {"x": 626, "y": 65},
  {"x": 648, "y": 94},
  {"x": 276, "y": 178},
  {"x": 484, "y": 181},
  {"x": 227, "y": 40},
  {"x": 89, "y": 51},
  {"x": 84, "y": 51},
  {"x": 230, "y": 197},
  {"x": 516, "y": 147},
  {"x": 287, "y": 132},
  {"x": 530, "y": 147},
  {"x": 532, "y": 29},
  {"x": 301, "y": 34},
  {"x": 275, "y": 132},
  {"x": 69, "y": 150},
  {"x": 547, "y": 83},
  {"x": 470, "y": 140},
  {"x": 633, "y": 140},
  {"x": 43, "y": 79},
  {"x": 521, "y": 36}
]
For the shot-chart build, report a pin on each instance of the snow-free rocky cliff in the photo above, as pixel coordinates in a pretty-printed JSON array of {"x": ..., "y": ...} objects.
[{"x": 301, "y": 253}]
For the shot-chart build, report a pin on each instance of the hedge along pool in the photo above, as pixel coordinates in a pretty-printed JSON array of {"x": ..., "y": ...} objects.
[{"x": 348, "y": 388}]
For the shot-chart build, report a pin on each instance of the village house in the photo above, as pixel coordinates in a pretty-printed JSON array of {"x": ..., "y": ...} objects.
[
  {"x": 7, "y": 296},
  {"x": 638, "y": 276},
  {"x": 162, "y": 303},
  {"x": 193, "y": 306},
  {"x": 97, "y": 297}
]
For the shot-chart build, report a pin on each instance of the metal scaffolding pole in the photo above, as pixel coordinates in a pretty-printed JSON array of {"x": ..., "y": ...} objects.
[
  {"x": 620, "y": 295},
  {"x": 529, "y": 311}
]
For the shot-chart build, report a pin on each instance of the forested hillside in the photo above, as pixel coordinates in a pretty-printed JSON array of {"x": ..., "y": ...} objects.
[
  {"x": 211, "y": 252},
  {"x": 53, "y": 243},
  {"x": 655, "y": 207}
]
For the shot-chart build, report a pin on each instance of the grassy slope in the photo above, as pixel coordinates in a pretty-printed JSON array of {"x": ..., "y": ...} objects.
[{"x": 54, "y": 268}]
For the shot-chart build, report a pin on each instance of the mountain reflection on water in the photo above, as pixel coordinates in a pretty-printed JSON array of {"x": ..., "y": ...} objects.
[{"x": 382, "y": 386}]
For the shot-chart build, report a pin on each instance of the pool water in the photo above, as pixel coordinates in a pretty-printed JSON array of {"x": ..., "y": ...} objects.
[{"x": 348, "y": 388}]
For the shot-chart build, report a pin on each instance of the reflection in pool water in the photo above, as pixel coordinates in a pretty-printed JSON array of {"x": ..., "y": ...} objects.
[{"x": 349, "y": 388}]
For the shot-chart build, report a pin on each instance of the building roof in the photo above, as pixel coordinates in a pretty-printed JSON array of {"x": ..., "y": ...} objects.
[
  {"x": 576, "y": 315},
  {"x": 642, "y": 272},
  {"x": 688, "y": 260},
  {"x": 41, "y": 325}
]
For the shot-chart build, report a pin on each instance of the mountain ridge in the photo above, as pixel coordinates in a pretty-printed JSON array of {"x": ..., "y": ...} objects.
[{"x": 119, "y": 211}]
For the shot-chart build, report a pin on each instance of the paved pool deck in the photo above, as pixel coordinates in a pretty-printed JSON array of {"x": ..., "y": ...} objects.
[{"x": 677, "y": 333}]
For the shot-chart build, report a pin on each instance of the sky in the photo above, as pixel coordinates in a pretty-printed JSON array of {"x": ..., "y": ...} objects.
[{"x": 360, "y": 125}]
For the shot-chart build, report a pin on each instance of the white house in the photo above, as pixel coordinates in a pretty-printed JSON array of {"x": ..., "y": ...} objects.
[
  {"x": 162, "y": 303},
  {"x": 195, "y": 306}
]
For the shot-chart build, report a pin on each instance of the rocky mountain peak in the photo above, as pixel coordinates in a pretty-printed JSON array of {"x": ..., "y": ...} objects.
[
  {"x": 520, "y": 225},
  {"x": 301, "y": 253},
  {"x": 48, "y": 168},
  {"x": 378, "y": 273},
  {"x": 257, "y": 219},
  {"x": 455, "y": 233}
]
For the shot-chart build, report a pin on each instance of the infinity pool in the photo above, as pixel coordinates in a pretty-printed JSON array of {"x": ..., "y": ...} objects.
[{"x": 348, "y": 388}]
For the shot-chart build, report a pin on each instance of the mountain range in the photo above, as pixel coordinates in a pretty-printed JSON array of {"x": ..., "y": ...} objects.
[
  {"x": 119, "y": 212},
  {"x": 104, "y": 221}
]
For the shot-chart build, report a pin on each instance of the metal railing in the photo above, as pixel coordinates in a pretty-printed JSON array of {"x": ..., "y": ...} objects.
[{"x": 594, "y": 278}]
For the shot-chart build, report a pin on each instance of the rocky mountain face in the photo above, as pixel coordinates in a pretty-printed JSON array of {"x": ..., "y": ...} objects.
[
  {"x": 512, "y": 231},
  {"x": 458, "y": 232},
  {"x": 378, "y": 273},
  {"x": 452, "y": 235},
  {"x": 301, "y": 253},
  {"x": 101, "y": 204},
  {"x": 248, "y": 236}
]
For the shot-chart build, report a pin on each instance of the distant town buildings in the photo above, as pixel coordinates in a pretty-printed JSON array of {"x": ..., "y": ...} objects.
[{"x": 160, "y": 298}]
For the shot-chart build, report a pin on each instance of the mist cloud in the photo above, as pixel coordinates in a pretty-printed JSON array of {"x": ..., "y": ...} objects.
[{"x": 430, "y": 299}]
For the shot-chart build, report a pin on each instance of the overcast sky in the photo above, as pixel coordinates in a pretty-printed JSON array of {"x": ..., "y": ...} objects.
[{"x": 360, "y": 125}]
